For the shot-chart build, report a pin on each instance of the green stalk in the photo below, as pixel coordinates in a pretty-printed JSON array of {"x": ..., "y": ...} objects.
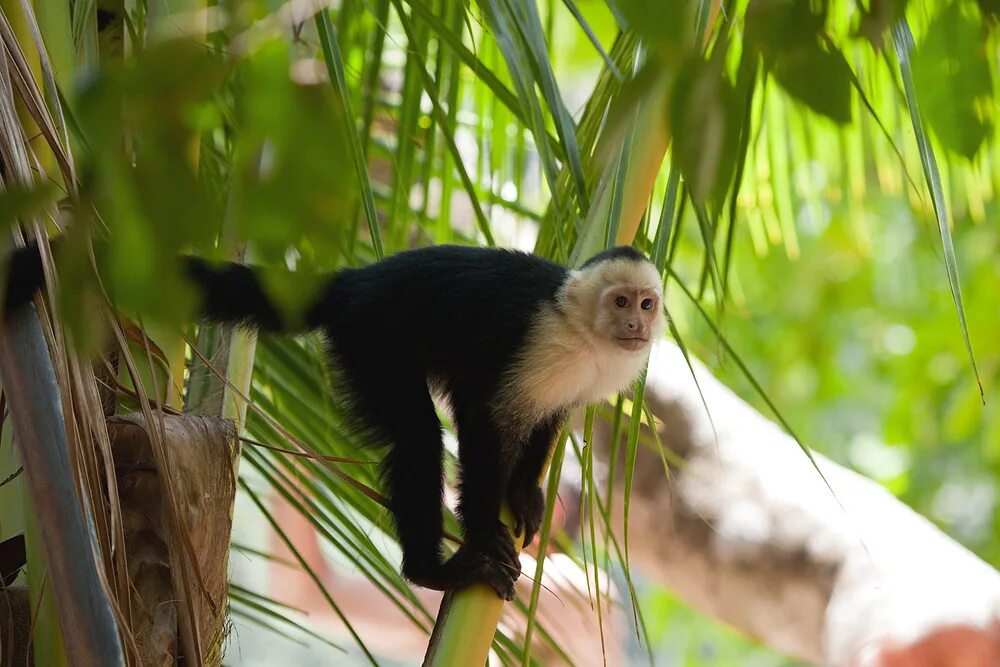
[
  {"x": 11, "y": 506},
  {"x": 467, "y": 621},
  {"x": 242, "y": 351},
  {"x": 175, "y": 19},
  {"x": 57, "y": 33},
  {"x": 627, "y": 184},
  {"x": 19, "y": 24}
]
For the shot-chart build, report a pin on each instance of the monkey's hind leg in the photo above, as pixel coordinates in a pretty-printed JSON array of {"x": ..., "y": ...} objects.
[
  {"x": 488, "y": 555},
  {"x": 412, "y": 472}
]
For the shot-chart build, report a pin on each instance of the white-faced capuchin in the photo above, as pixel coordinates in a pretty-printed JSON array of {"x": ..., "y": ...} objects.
[{"x": 513, "y": 341}]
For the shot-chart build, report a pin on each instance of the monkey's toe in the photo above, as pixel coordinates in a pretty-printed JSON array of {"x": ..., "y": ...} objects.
[
  {"x": 479, "y": 568},
  {"x": 527, "y": 505},
  {"x": 492, "y": 561},
  {"x": 426, "y": 575}
]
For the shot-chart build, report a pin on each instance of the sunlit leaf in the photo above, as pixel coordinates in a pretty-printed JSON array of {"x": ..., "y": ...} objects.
[
  {"x": 141, "y": 120},
  {"x": 335, "y": 70},
  {"x": 660, "y": 22},
  {"x": 952, "y": 77},
  {"x": 17, "y": 202},
  {"x": 878, "y": 17},
  {"x": 705, "y": 122},
  {"x": 903, "y": 42},
  {"x": 777, "y": 26},
  {"x": 294, "y": 181},
  {"x": 819, "y": 76}
]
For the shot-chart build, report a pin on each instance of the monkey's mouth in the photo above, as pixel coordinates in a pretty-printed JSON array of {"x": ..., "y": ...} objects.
[{"x": 632, "y": 343}]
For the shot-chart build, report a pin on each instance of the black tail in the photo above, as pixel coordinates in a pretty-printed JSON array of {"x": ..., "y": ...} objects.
[
  {"x": 230, "y": 293},
  {"x": 25, "y": 277}
]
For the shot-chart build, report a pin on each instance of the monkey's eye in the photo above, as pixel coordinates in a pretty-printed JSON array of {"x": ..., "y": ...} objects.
[
  {"x": 647, "y": 304},
  {"x": 621, "y": 301}
]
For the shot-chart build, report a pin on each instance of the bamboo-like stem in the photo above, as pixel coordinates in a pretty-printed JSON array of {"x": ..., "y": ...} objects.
[
  {"x": 11, "y": 515},
  {"x": 172, "y": 19},
  {"x": 467, "y": 621},
  {"x": 46, "y": 635},
  {"x": 55, "y": 25},
  {"x": 646, "y": 140},
  {"x": 242, "y": 350}
]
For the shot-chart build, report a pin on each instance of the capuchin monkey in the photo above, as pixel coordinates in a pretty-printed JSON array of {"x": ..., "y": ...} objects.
[{"x": 511, "y": 340}]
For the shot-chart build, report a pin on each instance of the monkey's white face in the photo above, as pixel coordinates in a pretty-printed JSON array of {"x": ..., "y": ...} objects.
[
  {"x": 592, "y": 345},
  {"x": 627, "y": 316},
  {"x": 622, "y": 303}
]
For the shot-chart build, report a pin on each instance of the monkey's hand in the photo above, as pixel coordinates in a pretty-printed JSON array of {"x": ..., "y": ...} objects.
[
  {"x": 487, "y": 557},
  {"x": 527, "y": 505}
]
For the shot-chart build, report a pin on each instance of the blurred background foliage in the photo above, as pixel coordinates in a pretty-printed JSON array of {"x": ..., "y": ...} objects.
[{"x": 796, "y": 203}]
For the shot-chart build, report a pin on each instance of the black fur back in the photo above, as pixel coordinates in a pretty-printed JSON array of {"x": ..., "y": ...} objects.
[
  {"x": 451, "y": 314},
  {"x": 447, "y": 303}
]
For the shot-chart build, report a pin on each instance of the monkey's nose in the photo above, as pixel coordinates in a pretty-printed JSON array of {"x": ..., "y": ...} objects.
[{"x": 631, "y": 325}]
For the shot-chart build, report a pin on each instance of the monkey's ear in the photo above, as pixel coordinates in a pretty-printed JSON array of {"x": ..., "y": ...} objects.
[{"x": 572, "y": 288}]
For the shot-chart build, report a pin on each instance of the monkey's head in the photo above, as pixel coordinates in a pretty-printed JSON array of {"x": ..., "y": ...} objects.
[{"x": 617, "y": 297}]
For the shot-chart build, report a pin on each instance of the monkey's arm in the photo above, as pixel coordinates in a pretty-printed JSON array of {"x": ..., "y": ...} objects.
[{"x": 524, "y": 496}]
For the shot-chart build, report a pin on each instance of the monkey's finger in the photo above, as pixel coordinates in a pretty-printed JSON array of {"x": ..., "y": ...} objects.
[
  {"x": 508, "y": 552},
  {"x": 503, "y": 583}
]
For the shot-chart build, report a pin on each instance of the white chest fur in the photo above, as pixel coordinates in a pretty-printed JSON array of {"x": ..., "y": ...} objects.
[{"x": 560, "y": 369}]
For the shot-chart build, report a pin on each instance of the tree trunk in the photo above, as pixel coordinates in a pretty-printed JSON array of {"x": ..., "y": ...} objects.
[
  {"x": 746, "y": 531},
  {"x": 202, "y": 456}
]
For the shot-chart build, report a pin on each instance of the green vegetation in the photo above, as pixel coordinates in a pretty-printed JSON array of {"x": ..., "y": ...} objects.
[{"x": 822, "y": 177}]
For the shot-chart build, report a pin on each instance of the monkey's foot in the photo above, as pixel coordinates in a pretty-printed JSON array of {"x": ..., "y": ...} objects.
[
  {"x": 527, "y": 505},
  {"x": 489, "y": 559},
  {"x": 426, "y": 575}
]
